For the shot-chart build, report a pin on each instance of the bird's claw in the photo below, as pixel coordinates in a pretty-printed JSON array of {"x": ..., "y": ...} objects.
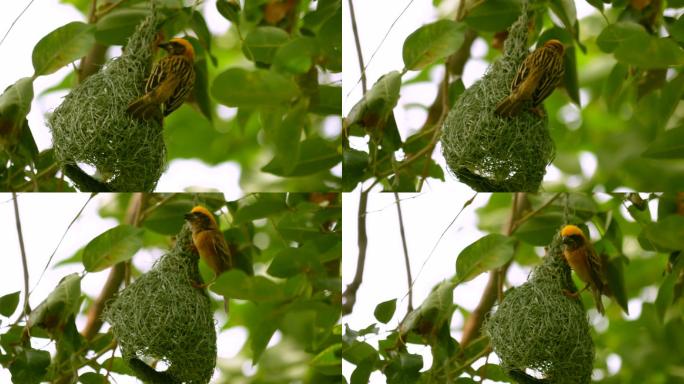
[{"x": 570, "y": 294}]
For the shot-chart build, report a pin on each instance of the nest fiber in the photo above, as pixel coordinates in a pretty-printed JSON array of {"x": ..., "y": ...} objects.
[
  {"x": 490, "y": 152},
  {"x": 161, "y": 316},
  {"x": 537, "y": 327},
  {"x": 92, "y": 126}
]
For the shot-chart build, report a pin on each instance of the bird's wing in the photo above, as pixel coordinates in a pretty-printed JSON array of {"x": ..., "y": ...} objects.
[
  {"x": 223, "y": 252},
  {"x": 184, "y": 74},
  {"x": 553, "y": 71},
  {"x": 595, "y": 269}
]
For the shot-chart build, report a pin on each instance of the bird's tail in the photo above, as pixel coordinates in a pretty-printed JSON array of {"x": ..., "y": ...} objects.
[
  {"x": 597, "y": 299},
  {"x": 145, "y": 108},
  {"x": 509, "y": 106}
]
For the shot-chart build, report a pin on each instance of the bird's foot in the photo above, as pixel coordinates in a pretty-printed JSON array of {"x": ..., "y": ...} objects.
[{"x": 567, "y": 293}]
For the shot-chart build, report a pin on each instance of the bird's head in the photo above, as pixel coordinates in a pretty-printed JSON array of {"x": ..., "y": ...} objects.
[
  {"x": 179, "y": 46},
  {"x": 200, "y": 219},
  {"x": 572, "y": 237},
  {"x": 556, "y": 45}
]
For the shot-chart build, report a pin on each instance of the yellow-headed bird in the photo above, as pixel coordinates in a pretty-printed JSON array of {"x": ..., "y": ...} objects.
[
  {"x": 169, "y": 83},
  {"x": 582, "y": 258},
  {"x": 209, "y": 242},
  {"x": 537, "y": 77}
]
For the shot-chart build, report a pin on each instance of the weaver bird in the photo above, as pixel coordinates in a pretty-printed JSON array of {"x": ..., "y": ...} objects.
[
  {"x": 169, "y": 83},
  {"x": 582, "y": 258},
  {"x": 210, "y": 243},
  {"x": 538, "y": 75}
]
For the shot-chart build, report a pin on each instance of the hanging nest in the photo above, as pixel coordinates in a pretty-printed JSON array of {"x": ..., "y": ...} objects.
[
  {"x": 491, "y": 152},
  {"x": 91, "y": 126},
  {"x": 161, "y": 316},
  {"x": 537, "y": 327}
]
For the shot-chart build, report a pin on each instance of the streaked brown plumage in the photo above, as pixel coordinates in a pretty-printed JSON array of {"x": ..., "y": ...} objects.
[
  {"x": 209, "y": 242},
  {"x": 538, "y": 75},
  {"x": 582, "y": 258},
  {"x": 169, "y": 83}
]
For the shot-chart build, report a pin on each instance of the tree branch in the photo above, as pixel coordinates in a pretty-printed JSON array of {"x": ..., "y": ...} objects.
[
  {"x": 116, "y": 274},
  {"x": 349, "y": 295},
  {"x": 471, "y": 328},
  {"x": 406, "y": 256},
  {"x": 364, "y": 86},
  {"x": 27, "y": 308}
]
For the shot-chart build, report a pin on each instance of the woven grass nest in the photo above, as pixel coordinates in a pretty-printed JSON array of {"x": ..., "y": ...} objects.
[
  {"x": 489, "y": 152},
  {"x": 92, "y": 127},
  {"x": 539, "y": 328},
  {"x": 162, "y": 317}
]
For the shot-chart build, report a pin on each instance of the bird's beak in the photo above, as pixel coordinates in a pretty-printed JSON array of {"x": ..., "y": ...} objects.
[
  {"x": 566, "y": 240},
  {"x": 165, "y": 46},
  {"x": 188, "y": 216}
]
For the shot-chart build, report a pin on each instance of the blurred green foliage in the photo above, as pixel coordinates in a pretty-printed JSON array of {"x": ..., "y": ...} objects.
[
  {"x": 273, "y": 60},
  {"x": 292, "y": 241},
  {"x": 618, "y": 107},
  {"x": 640, "y": 235}
]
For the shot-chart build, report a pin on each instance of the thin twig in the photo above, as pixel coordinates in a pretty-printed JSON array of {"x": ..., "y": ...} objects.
[
  {"x": 62, "y": 239},
  {"x": 349, "y": 295},
  {"x": 15, "y": 21},
  {"x": 406, "y": 255},
  {"x": 364, "y": 85},
  {"x": 24, "y": 264},
  {"x": 514, "y": 226}
]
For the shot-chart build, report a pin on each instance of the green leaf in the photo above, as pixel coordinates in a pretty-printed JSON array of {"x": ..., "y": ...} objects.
[
  {"x": 385, "y": 310},
  {"x": 62, "y": 46},
  {"x": 375, "y": 108},
  {"x": 488, "y": 252},
  {"x": 646, "y": 51},
  {"x": 168, "y": 218},
  {"x": 330, "y": 42},
  {"x": 92, "y": 378},
  {"x": 15, "y": 104},
  {"x": 237, "y": 87},
  {"x": 613, "y": 86},
  {"x": 565, "y": 10},
  {"x": 666, "y": 292},
  {"x": 288, "y": 136},
  {"x": 540, "y": 229},
  {"x": 261, "y": 44},
  {"x": 60, "y": 306},
  {"x": 265, "y": 205},
  {"x": 328, "y": 360},
  {"x": 664, "y": 235},
  {"x": 296, "y": 56},
  {"x": 315, "y": 155},
  {"x": 432, "y": 42},
  {"x": 614, "y": 34},
  {"x": 230, "y": 9},
  {"x": 328, "y": 101},
  {"x": 359, "y": 352},
  {"x": 493, "y": 16},
  {"x": 8, "y": 303},
  {"x": 117, "y": 26},
  {"x": 111, "y": 247},
  {"x": 354, "y": 164},
  {"x": 668, "y": 145},
  {"x": 29, "y": 366},
  {"x": 676, "y": 29},
  {"x": 616, "y": 281},
  {"x": 237, "y": 285}
]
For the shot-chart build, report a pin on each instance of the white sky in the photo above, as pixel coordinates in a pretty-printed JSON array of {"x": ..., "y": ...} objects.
[
  {"x": 374, "y": 19},
  {"x": 44, "y": 219}
]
